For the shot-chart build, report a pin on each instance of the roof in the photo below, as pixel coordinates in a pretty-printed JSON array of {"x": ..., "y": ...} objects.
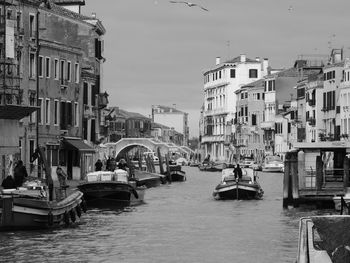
[
  {"x": 290, "y": 72},
  {"x": 158, "y": 125},
  {"x": 257, "y": 83},
  {"x": 167, "y": 109},
  {"x": 238, "y": 59},
  {"x": 69, "y": 2}
]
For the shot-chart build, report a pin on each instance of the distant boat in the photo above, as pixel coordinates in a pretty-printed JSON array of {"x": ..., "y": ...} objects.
[
  {"x": 176, "y": 173},
  {"x": 29, "y": 208},
  {"x": 324, "y": 239},
  {"x": 113, "y": 189},
  {"x": 273, "y": 163},
  {"x": 233, "y": 188},
  {"x": 212, "y": 167}
]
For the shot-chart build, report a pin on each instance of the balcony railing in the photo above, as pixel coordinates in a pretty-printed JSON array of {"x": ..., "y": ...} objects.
[
  {"x": 11, "y": 96},
  {"x": 88, "y": 112},
  {"x": 312, "y": 102},
  {"x": 311, "y": 121}
]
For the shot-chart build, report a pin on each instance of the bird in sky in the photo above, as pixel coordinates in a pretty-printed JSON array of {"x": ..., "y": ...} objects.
[
  {"x": 188, "y": 4},
  {"x": 290, "y": 8}
]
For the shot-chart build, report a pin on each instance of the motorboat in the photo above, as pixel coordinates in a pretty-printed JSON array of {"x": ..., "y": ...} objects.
[
  {"x": 324, "y": 239},
  {"x": 148, "y": 179},
  {"x": 273, "y": 163},
  {"x": 29, "y": 207},
  {"x": 246, "y": 163},
  {"x": 106, "y": 188},
  {"x": 231, "y": 187}
]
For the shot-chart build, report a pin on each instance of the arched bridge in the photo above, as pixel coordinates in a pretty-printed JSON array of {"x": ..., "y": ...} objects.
[{"x": 126, "y": 144}]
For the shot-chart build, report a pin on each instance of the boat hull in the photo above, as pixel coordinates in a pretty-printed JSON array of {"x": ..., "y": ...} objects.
[
  {"x": 109, "y": 193},
  {"x": 178, "y": 176},
  {"x": 18, "y": 213},
  {"x": 272, "y": 169},
  {"x": 244, "y": 191}
]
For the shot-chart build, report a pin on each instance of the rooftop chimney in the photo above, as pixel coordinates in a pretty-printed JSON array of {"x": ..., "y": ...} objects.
[
  {"x": 265, "y": 64},
  {"x": 243, "y": 58},
  {"x": 257, "y": 59},
  {"x": 217, "y": 61},
  {"x": 93, "y": 15}
]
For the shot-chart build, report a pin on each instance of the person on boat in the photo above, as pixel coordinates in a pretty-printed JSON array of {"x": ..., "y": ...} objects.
[
  {"x": 61, "y": 175},
  {"x": 98, "y": 165},
  {"x": 122, "y": 164},
  {"x": 20, "y": 173},
  {"x": 207, "y": 159},
  {"x": 238, "y": 172},
  {"x": 8, "y": 183}
]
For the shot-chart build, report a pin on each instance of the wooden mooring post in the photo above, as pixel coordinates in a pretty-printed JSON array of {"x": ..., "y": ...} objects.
[
  {"x": 168, "y": 175},
  {"x": 319, "y": 173},
  {"x": 161, "y": 168},
  {"x": 346, "y": 174},
  {"x": 291, "y": 180}
]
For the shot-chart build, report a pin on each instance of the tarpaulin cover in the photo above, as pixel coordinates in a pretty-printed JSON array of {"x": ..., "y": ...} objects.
[{"x": 335, "y": 235}]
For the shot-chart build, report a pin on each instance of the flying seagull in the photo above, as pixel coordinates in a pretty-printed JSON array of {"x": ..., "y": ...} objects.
[{"x": 188, "y": 4}]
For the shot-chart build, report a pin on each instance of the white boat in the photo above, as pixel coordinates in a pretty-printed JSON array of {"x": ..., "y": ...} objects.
[
  {"x": 324, "y": 239},
  {"x": 273, "y": 163}
]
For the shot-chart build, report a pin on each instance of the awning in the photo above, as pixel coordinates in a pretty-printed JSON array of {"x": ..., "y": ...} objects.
[{"x": 78, "y": 144}]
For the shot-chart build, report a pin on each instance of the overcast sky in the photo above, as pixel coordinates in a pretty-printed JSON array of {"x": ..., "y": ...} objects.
[{"x": 157, "y": 51}]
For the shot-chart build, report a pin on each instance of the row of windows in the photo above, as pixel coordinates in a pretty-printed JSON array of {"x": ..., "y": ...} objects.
[
  {"x": 329, "y": 75},
  {"x": 346, "y": 75},
  {"x": 253, "y": 74},
  {"x": 64, "y": 113},
  {"x": 255, "y": 96},
  {"x": 329, "y": 100},
  {"x": 345, "y": 125},
  {"x": 62, "y": 70},
  {"x": 269, "y": 85}
]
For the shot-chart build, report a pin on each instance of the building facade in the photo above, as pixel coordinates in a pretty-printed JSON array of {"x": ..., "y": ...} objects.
[
  {"x": 173, "y": 118},
  {"x": 220, "y": 101}
]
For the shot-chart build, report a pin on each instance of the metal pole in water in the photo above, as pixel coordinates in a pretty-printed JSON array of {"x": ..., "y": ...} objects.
[{"x": 237, "y": 188}]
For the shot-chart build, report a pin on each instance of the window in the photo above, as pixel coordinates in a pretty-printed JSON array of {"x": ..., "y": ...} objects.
[
  {"x": 253, "y": 73},
  {"x": 258, "y": 96},
  {"x": 98, "y": 48},
  {"x": 85, "y": 93},
  {"x": 62, "y": 72},
  {"x": 47, "y": 111},
  {"x": 32, "y": 102},
  {"x": 69, "y": 70},
  {"x": 41, "y": 66},
  {"x": 31, "y": 25},
  {"x": 47, "y": 67},
  {"x": 18, "y": 20},
  {"x": 19, "y": 62},
  {"x": 41, "y": 111},
  {"x": 56, "y": 69},
  {"x": 76, "y": 73},
  {"x": 76, "y": 114},
  {"x": 232, "y": 73},
  {"x": 56, "y": 112},
  {"x": 32, "y": 65}
]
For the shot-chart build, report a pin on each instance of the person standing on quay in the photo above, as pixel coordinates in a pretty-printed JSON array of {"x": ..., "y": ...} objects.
[{"x": 20, "y": 173}]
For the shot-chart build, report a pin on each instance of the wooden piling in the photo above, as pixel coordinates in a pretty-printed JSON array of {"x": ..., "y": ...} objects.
[
  {"x": 301, "y": 169},
  {"x": 319, "y": 173},
  {"x": 294, "y": 177},
  {"x": 286, "y": 181},
  {"x": 140, "y": 161},
  {"x": 346, "y": 173},
  {"x": 161, "y": 168},
  {"x": 167, "y": 158}
]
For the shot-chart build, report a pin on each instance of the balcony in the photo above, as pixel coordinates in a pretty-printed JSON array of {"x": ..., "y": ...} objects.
[
  {"x": 88, "y": 112},
  {"x": 311, "y": 121},
  {"x": 213, "y": 138},
  {"x": 11, "y": 104}
]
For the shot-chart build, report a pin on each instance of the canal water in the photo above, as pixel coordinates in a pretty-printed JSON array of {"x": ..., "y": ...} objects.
[{"x": 180, "y": 222}]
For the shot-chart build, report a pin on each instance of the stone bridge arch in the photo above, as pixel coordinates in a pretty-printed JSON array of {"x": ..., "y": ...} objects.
[{"x": 126, "y": 144}]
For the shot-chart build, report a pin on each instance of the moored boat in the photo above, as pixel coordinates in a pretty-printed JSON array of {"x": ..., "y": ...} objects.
[
  {"x": 231, "y": 187},
  {"x": 113, "y": 189},
  {"x": 176, "y": 173},
  {"x": 273, "y": 164},
  {"x": 324, "y": 239},
  {"x": 144, "y": 178},
  {"x": 30, "y": 208}
]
